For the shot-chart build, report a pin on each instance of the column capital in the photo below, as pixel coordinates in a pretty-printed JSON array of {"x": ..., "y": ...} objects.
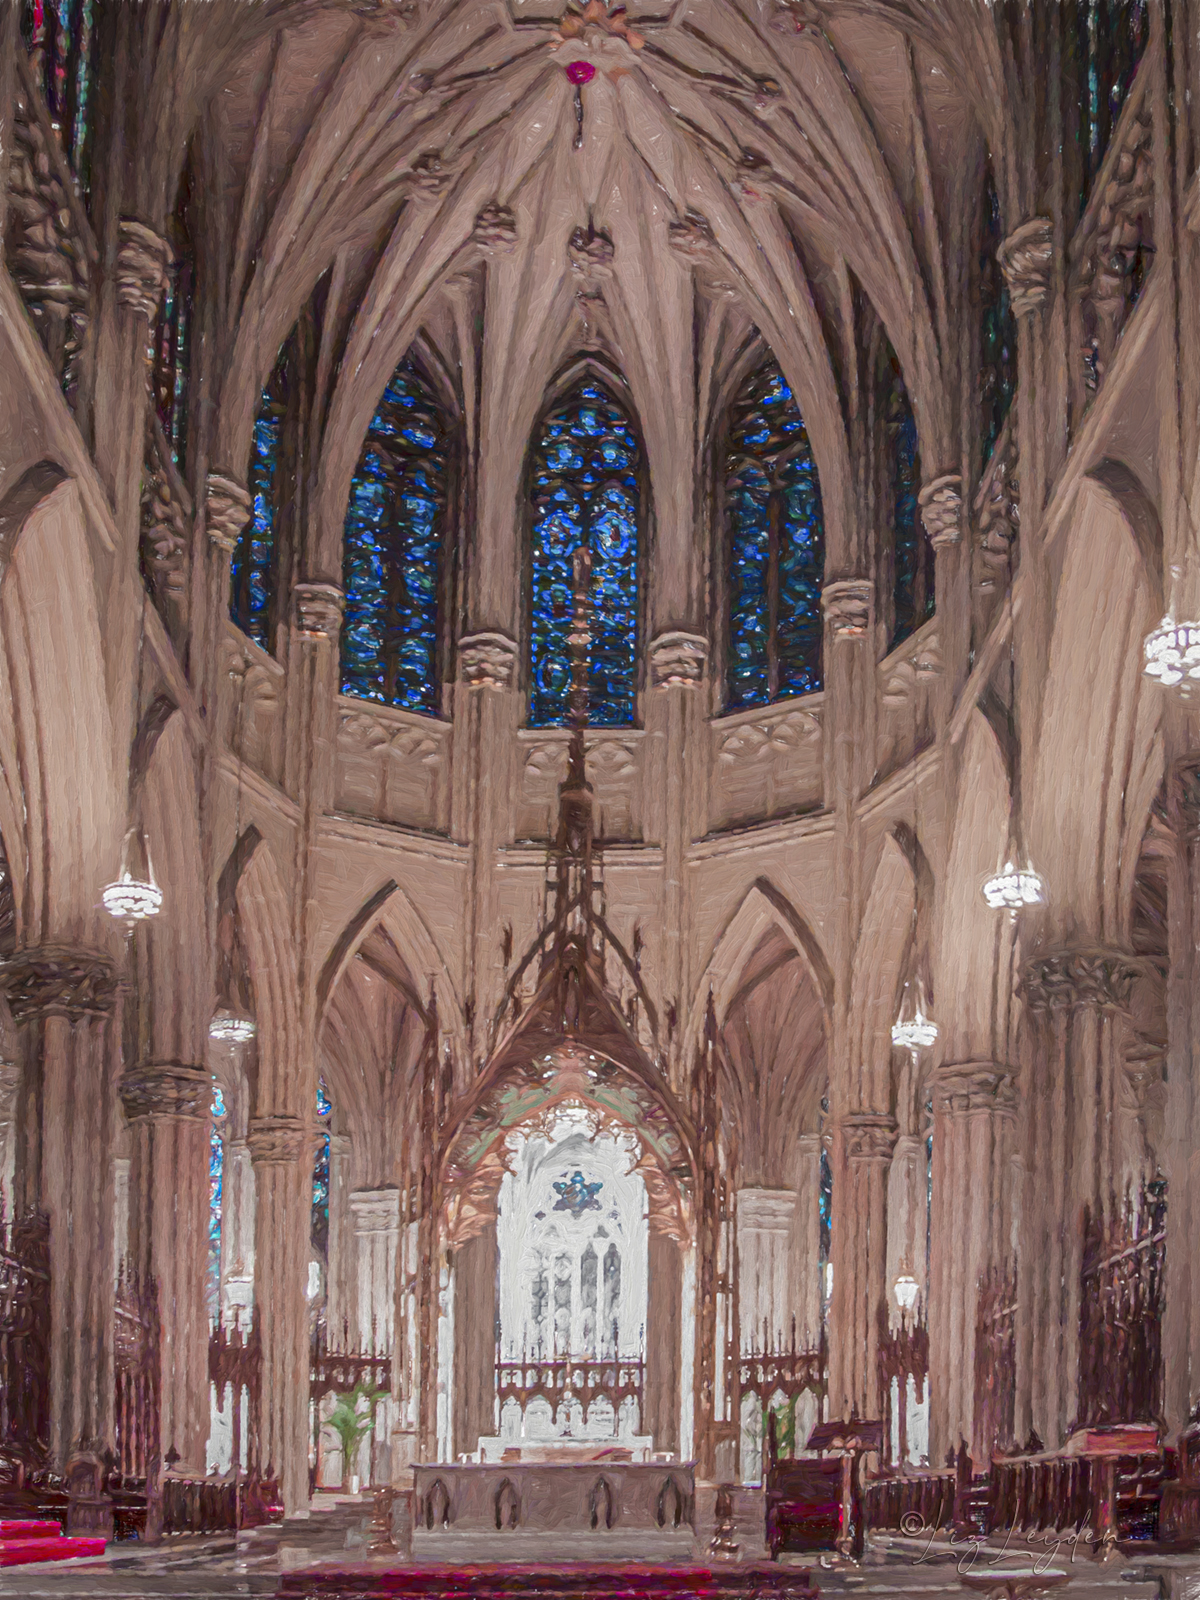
[
  {"x": 317, "y": 609},
  {"x": 495, "y": 230},
  {"x": 487, "y": 661},
  {"x": 143, "y": 260},
  {"x": 869, "y": 1136},
  {"x": 277, "y": 1141},
  {"x": 766, "y": 1210},
  {"x": 227, "y": 507},
  {"x": 166, "y": 1089},
  {"x": 941, "y": 506},
  {"x": 339, "y": 1145},
  {"x": 678, "y": 658},
  {"x": 848, "y": 606},
  {"x": 1100, "y": 976},
  {"x": 1025, "y": 259},
  {"x": 375, "y": 1210},
  {"x": 974, "y": 1086},
  {"x": 58, "y": 981}
]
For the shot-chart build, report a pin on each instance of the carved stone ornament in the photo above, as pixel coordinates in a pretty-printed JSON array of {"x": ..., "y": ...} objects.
[
  {"x": 691, "y": 236},
  {"x": 375, "y": 1210},
  {"x": 966, "y": 1087},
  {"x": 166, "y": 1089},
  {"x": 317, "y": 608},
  {"x": 942, "y": 509},
  {"x": 1099, "y": 976},
  {"x": 495, "y": 230},
  {"x": 226, "y": 510},
  {"x": 869, "y": 1137},
  {"x": 429, "y": 174},
  {"x": 278, "y": 1141},
  {"x": 487, "y": 661},
  {"x": 753, "y": 176},
  {"x": 58, "y": 981},
  {"x": 1025, "y": 258},
  {"x": 143, "y": 259},
  {"x": 677, "y": 658},
  {"x": 590, "y": 253},
  {"x": 847, "y": 606}
]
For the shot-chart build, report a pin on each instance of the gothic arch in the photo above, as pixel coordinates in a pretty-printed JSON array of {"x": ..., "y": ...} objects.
[
  {"x": 883, "y": 943},
  {"x": 264, "y": 913}
]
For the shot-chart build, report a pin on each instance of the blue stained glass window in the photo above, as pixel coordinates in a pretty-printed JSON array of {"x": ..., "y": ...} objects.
[
  {"x": 1111, "y": 38},
  {"x": 62, "y": 38},
  {"x": 395, "y": 538},
  {"x": 216, "y": 1180},
  {"x": 913, "y": 588},
  {"x": 825, "y": 1203},
  {"x": 998, "y": 352},
  {"x": 776, "y": 549},
  {"x": 586, "y": 490},
  {"x": 255, "y": 563},
  {"x": 320, "y": 1181},
  {"x": 172, "y": 337}
]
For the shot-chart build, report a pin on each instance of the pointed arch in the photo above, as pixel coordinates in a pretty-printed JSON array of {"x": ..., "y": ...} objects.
[
  {"x": 265, "y": 921},
  {"x": 879, "y": 957}
]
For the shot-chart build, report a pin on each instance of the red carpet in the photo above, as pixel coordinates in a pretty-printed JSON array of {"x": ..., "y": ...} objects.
[
  {"x": 23, "y": 1542},
  {"x": 581, "y": 1581}
]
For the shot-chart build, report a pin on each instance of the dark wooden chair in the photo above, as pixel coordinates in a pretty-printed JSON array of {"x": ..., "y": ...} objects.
[{"x": 804, "y": 1503}]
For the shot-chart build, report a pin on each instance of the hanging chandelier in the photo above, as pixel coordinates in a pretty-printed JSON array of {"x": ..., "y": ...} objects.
[
  {"x": 906, "y": 1289},
  {"x": 131, "y": 899},
  {"x": 1173, "y": 651},
  {"x": 1012, "y": 888},
  {"x": 231, "y": 1028},
  {"x": 916, "y": 1031}
]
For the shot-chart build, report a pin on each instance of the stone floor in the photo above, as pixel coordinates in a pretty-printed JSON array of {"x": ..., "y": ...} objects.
[{"x": 338, "y": 1533}]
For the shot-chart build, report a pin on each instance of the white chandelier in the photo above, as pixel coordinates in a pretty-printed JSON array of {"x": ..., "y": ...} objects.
[
  {"x": 132, "y": 899},
  {"x": 1173, "y": 651},
  {"x": 907, "y": 1290},
  {"x": 231, "y": 1028},
  {"x": 916, "y": 1032},
  {"x": 1013, "y": 887}
]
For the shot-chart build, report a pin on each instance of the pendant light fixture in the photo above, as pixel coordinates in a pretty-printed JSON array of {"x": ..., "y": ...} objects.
[
  {"x": 230, "y": 1024},
  {"x": 914, "y": 1029},
  {"x": 1173, "y": 648},
  {"x": 131, "y": 900}
]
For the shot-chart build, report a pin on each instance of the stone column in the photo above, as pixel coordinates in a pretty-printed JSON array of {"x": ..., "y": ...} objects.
[
  {"x": 62, "y": 999},
  {"x": 862, "y": 1148},
  {"x": 376, "y": 1215},
  {"x": 764, "y": 1223},
  {"x": 10, "y": 1083},
  {"x": 970, "y": 1231},
  {"x": 342, "y": 1259},
  {"x": 280, "y": 1148},
  {"x": 664, "y": 1335},
  {"x": 908, "y": 1209},
  {"x": 806, "y": 1240},
  {"x": 1073, "y": 997},
  {"x": 167, "y": 1104},
  {"x": 474, "y": 1396}
]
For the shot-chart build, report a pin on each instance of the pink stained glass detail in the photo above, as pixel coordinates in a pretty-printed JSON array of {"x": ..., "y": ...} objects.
[{"x": 580, "y": 72}]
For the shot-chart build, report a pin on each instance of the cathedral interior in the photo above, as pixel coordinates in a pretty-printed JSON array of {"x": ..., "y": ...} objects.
[{"x": 599, "y": 794}]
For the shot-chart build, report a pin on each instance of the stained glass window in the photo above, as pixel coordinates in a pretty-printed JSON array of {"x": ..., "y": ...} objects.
[
  {"x": 256, "y": 558},
  {"x": 61, "y": 36},
  {"x": 998, "y": 352},
  {"x": 825, "y": 1203},
  {"x": 216, "y": 1180},
  {"x": 172, "y": 332},
  {"x": 320, "y": 1180},
  {"x": 912, "y": 575},
  {"x": 776, "y": 548},
  {"x": 586, "y": 491},
  {"x": 395, "y": 539},
  {"x": 1111, "y": 38}
]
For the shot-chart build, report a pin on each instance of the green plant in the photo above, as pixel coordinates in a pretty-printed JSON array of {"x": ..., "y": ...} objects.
[
  {"x": 785, "y": 1426},
  {"x": 351, "y": 1423}
]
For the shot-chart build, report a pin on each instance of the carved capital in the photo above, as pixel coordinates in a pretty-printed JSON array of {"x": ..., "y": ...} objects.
[
  {"x": 495, "y": 230},
  {"x": 967, "y": 1087},
  {"x": 166, "y": 1089},
  {"x": 1025, "y": 258},
  {"x": 375, "y": 1210},
  {"x": 848, "y": 606},
  {"x": 339, "y": 1146},
  {"x": 1098, "y": 976},
  {"x": 487, "y": 661},
  {"x": 317, "y": 608},
  {"x": 226, "y": 510},
  {"x": 677, "y": 658},
  {"x": 869, "y": 1137},
  {"x": 942, "y": 509},
  {"x": 590, "y": 253},
  {"x": 766, "y": 1210},
  {"x": 429, "y": 175},
  {"x": 143, "y": 259},
  {"x": 277, "y": 1141},
  {"x": 58, "y": 981}
]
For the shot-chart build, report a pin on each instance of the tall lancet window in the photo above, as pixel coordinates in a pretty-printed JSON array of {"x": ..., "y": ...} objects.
[
  {"x": 395, "y": 540},
  {"x": 256, "y": 559},
  {"x": 320, "y": 1180},
  {"x": 775, "y": 547},
  {"x": 586, "y": 490},
  {"x": 912, "y": 565}
]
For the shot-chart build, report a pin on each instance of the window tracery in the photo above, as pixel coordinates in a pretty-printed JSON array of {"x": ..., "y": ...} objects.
[
  {"x": 775, "y": 547},
  {"x": 394, "y": 545},
  {"x": 586, "y": 490}
]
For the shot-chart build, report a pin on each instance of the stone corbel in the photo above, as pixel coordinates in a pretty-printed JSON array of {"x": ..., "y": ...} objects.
[
  {"x": 869, "y": 1136},
  {"x": 166, "y": 1089},
  {"x": 227, "y": 508},
  {"x": 317, "y": 608},
  {"x": 848, "y": 606},
  {"x": 277, "y": 1141},
  {"x": 487, "y": 661},
  {"x": 1025, "y": 259},
  {"x": 495, "y": 231},
  {"x": 144, "y": 258},
  {"x": 58, "y": 981},
  {"x": 677, "y": 658},
  {"x": 975, "y": 1086},
  {"x": 942, "y": 510},
  {"x": 1097, "y": 976},
  {"x": 375, "y": 1210},
  {"x": 766, "y": 1210}
]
